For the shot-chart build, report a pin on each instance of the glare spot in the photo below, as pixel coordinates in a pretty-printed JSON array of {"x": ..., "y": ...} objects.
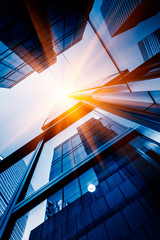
[{"x": 91, "y": 188}]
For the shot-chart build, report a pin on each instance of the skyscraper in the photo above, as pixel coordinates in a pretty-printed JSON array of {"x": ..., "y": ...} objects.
[
  {"x": 120, "y": 165},
  {"x": 150, "y": 45},
  {"x": 123, "y": 15},
  {"x": 12, "y": 68},
  {"x": 33, "y": 33},
  {"x": 9, "y": 183}
]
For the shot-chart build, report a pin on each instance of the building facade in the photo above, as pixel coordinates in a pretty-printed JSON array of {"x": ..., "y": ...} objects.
[
  {"x": 123, "y": 15},
  {"x": 12, "y": 68},
  {"x": 150, "y": 45},
  {"x": 9, "y": 182},
  {"x": 121, "y": 164},
  {"x": 33, "y": 33}
]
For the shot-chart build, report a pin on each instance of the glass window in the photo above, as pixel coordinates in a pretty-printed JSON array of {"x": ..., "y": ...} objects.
[
  {"x": 26, "y": 69},
  {"x": 56, "y": 197},
  {"x": 4, "y": 54},
  {"x": 72, "y": 191},
  {"x": 13, "y": 60},
  {"x": 76, "y": 141},
  {"x": 67, "y": 146},
  {"x": 68, "y": 162},
  {"x": 89, "y": 177},
  {"x": 55, "y": 170},
  {"x": 80, "y": 157},
  {"x": 15, "y": 76},
  {"x": 6, "y": 83},
  {"x": 3, "y": 47},
  {"x": 57, "y": 153},
  {"x": 79, "y": 151},
  {"x": 4, "y": 70}
]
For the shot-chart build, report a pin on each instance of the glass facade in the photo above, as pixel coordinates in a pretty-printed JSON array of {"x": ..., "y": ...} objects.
[
  {"x": 150, "y": 45},
  {"x": 12, "y": 68},
  {"x": 93, "y": 135},
  {"x": 122, "y": 176},
  {"x": 9, "y": 184},
  {"x": 67, "y": 29},
  {"x": 36, "y": 33},
  {"x": 116, "y": 13},
  {"x": 92, "y": 138}
]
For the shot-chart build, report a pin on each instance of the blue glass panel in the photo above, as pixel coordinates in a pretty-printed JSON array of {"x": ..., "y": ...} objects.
[
  {"x": 15, "y": 76},
  {"x": 6, "y": 83},
  {"x": 13, "y": 60},
  {"x": 79, "y": 158},
  {"x": 67, "y": 146},
  {"x": 26, "y": 69},
  {"x": 76, "y": 141},
  {"x": 4, "y": 70},
  {"x": 3, "y": 47},
  {"x": 55, "y": 170},
  {"x": 68, "y": 41},
  {"x": 57, "y": 30},
  {"x": 57, "y": 153},
  {"x": 89, "y": 177},
  {"x": 4, "y": 54},
  {"x": 72, "y": 191},
  {"x": 56, "y": 197},
  {"x": 68, "y": 162},
  {"x": 79, "y": 151}
]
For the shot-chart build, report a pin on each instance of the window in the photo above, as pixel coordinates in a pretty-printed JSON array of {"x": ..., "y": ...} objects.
[
  {"x": 76, "y": 141},
  {"x": 57, "y": 153},
  {"x": 56, "y": 170},
  {"x": 89, "y": 177},
  {"x": 68, "y": 162},
  {"x": 72, "y": 191},
  {"x": 67, "y": 146}
]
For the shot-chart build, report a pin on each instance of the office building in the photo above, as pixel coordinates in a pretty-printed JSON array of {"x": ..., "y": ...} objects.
[
  {"x": 150, "y": 45},
  {"x": 9, "y": 183},
  {"x": 74, "y": 151},
  {"x": 33, "y": 33},
  {"x": 12, "y": 68},
  {"x": 104, "y": 179},
  {"x": 121, "y": 165},
  {"x": 123, "y": 15}
]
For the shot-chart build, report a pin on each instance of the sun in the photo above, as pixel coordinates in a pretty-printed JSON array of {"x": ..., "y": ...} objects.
[{"x": 63, "y": 93}]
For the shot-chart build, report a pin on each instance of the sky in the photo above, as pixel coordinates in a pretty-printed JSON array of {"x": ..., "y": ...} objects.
[{"x": 24, "y": 108}]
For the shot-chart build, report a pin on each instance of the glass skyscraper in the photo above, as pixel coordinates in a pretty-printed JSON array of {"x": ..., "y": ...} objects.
[
  {"x": 122, "y": 166},
  {"x": 9, "y": 183},
  {"x": 123, "y": 15},
  {"x": 150, "y": 45},
  {"x": 32, "y": 37},
  {"x": 12, "y": 68}
]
